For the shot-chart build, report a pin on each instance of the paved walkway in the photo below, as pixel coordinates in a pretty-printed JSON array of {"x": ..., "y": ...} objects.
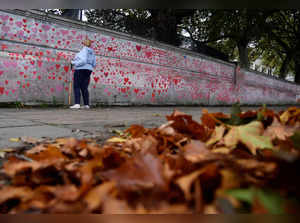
[{"x": 98, "y": 122}]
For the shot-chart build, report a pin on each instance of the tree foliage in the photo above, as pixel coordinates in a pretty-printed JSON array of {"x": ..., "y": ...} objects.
[{"x": 157, "y": 24}]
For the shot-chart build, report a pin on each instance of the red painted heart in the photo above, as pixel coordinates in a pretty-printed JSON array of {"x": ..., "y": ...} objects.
[
  {"x": 66, "y": 68},
  {"x": 39, "y": 63},
  {"x": 1, "y": 90},
  {"x": 138, "y": 48},
  {"x": 96, "y": 79}
]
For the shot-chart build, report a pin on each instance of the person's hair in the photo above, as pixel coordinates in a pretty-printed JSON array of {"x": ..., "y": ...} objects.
[{"x": 87, "y": 42}]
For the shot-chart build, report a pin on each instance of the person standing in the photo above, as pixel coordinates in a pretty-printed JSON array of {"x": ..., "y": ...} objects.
[{"x": 84, "y": 64}]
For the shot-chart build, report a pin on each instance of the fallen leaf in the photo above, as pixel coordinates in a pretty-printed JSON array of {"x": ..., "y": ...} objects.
[
  {"x": 184, "y": 124},
  {"x": 116, "y": 140},
  {"x": 185, "y": 182},
  {"x": 22, "y": 194},
  {"x": 279, "y": 131},
  {"x": 14, "y": 139},
  {"x": 196, "y": 151},
  {"x": 216, "y": 136},
  {"x": 144, "y": 171},
  {"x": 96, "y": 196},
  {"x": 4, "y": 151},
  {"x": 250, "y": 135},
  {"x": 296, "y": 139},
  {"x": 29, "y": 140}
]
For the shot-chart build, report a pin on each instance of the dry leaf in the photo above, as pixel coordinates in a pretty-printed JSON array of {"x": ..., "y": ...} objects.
[
  {"x": 250, "y": 135},
  {"x": 96, "y": 196}
]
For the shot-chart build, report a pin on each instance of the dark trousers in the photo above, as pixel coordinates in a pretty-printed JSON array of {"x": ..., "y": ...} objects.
[{"x": 81, "y": 83}]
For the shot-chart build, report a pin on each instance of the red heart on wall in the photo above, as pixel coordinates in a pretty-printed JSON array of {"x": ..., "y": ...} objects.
[
  {"x": 138, "y": 48},
  {"x": 66, "y": 68},
  {"x": 96, "y": 79},
  {"x": 1, "y": 72},
  {"x": 1, "y": 90}
]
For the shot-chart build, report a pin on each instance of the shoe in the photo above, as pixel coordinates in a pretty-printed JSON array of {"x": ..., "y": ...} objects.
[
  {"x": 86, "y": 107},
  {"x": 76, "y": 106}
]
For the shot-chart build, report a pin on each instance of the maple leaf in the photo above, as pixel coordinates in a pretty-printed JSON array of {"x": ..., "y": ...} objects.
[
  {"x": 216, "y": 135},
  {"x": 250, "y": 135},
  {"x": 279, "y": 131},
  {"x": 196, "y": 151},
  {"x": 144, "y": 171},
  {"x": 186, "y": 182},
  {"x": 296, "y": 139},
  {"x": 211, "y": 119},
  {"x": 96, "y": 196},
  {"x": 184, "y": 124},
  {"x": 290, "y": 116}
]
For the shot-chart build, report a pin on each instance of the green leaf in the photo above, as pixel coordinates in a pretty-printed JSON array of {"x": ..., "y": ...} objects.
[
  {"x": 249, "y": 135},
  {"x": 245, "y": 195},
  {"x": 296, "y": 139},
  {"x": 235, "y": 111},
  {"x": 271, "y": 201},
  {"x": 260, "y": 114}
]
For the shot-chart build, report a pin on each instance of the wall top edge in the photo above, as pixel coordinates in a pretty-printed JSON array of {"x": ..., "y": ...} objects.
[{"x": 269, "y": 77}]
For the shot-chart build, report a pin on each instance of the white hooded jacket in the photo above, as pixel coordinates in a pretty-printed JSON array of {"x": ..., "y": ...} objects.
[{"x": 85, "y": 59}]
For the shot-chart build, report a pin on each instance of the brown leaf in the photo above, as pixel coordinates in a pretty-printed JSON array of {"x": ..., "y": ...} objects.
[
  {"x": 22, "y": 194},
  {"x": 114, "y": 206},
  {"x": 185, "y": 182},
  {"x": 290, "y": 116},
  {"x": 48, "y": 154},
  {"x": 144, "y": 171},
  {"x": 248, "y": 114},
  {"x": 184, "y": 124},
  {"x": 30, "y": 140},
  {"x": 86, "y": 174},
  {"x": 67, "y": 192},
  {"x": 216, "y": 136},
  {"x": 11, "y": 168},
  {"x": 96, "y": 196},
  {"x": 196, "y": 151},
  {"x": 211, "y": 119},
  {"x": 279, "y": 131},
  {"x": 252, "y": 164},
  {"x": 136, "y": 131}
]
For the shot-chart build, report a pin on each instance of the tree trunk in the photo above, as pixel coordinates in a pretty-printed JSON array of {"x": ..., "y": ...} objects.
[
  {"x": 284, "y": 66},
  {"x": 166, "y": 27},
  {"x": 297, "y": 72},
  {"x": 243, "y": 54}
]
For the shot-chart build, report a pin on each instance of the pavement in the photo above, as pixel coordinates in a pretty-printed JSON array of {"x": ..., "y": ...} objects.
[{"x": 95, "y": 122}]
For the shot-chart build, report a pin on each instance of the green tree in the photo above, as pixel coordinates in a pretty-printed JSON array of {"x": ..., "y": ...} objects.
[
  {"x": 158, "y": 24},
  {"x": 232, "y": 31},
  {"x": 281, "y": 44}
]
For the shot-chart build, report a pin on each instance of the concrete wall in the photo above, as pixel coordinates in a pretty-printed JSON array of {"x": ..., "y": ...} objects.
[{"x": 35, "y": 51}]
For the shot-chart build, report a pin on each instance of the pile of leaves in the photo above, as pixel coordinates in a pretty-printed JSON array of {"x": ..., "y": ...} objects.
[{"x": 246, "y": 162}]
